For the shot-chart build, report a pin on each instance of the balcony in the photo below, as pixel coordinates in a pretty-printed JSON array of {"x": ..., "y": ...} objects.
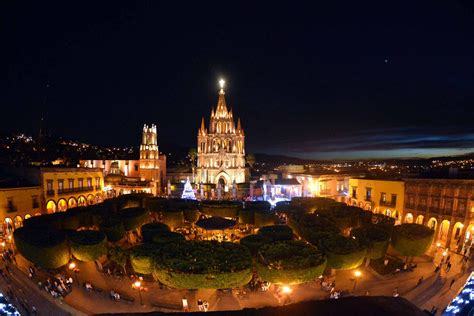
[
  {"x": 74, "y": 190},
  {"x": 98, "y": 187},
  {"x": 388, "y": 203},
  {"x": 11, "y": 208},
  {"x": 325, "y": 192},
  {"x": 49, "y": 192}
]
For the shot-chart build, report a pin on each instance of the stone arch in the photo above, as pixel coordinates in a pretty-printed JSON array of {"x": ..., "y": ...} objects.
[
  {"x": 409, "y": 218},
  {"x": 223, "y": 175},
  {"x": 51, "y": 206},
  {"x": 432, "y": 223},
  {"x": 17, "y": 221},
  {"x": 419, "y": 219},
  {"x": 62, "y": 205},
  {"x": 368, "y": 207},
  {"x": 8, "y": 224},
  {"x": 27, "y": 216},
  {"x": 456, "y": 236},
  {"x": 354, "y": 203},
  {"x": 90, "y": 199},
  {"x": 72, "y": 202},
  {"x": 443, "y": 230},
  {"x": 387, "y": 212},
  {"x": 81, "y": 201}
]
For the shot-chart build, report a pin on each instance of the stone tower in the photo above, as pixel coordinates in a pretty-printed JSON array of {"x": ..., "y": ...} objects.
[
  {"x": 150, "y": 162},
  {"x": 221, "y": 148}
]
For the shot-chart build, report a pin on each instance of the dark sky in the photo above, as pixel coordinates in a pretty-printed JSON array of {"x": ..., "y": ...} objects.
[{"x": 333, "y": 80}]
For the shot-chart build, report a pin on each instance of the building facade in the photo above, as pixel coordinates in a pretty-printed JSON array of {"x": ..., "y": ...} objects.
[
  {"x": 18, "y": 204},
  {"x": 221, "y": 148},
  {"x": 445, "y": 205},
  {"x": 379, "y": 196},
  {"x": 65, "y": 188}
]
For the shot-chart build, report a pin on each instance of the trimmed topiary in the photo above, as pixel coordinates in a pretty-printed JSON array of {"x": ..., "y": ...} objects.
[
  {"x": 45, "y": 248},
  {"x": 343, "y": 253},
  {"x": 247, "y": 216},
  {"x": 264, "y": 219},
  {"x": 277, "y": 232},
  {"x": 191, "y": 215},
  {"x": 150, "y": 229},
  {"x": 113, "y": 229},
  {"x": 45, "y": 221},
  {"x": 290, "y": 262},
  {"x": 254, "y": 242},
  {"x": 142, "y": 258},
  {"x": 374, "y": 238},
  {"x": 173, "y": 218},
  {"x": 203, "y": 264},
  {"x": 165, "y": 237},
  {"x": 343, "y": 216},
  {"x": 312, "y": 204},
  {"x": 88, "y": 245},
  {"x": 412, "y": 239},
  {"x": 133, "y": 217},
  {"x": 312, "y": 227},
  {"x": 220, "y": 208}
]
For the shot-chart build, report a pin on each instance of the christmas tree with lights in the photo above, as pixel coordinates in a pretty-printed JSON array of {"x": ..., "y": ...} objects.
[{"x": 188, "y": 192}]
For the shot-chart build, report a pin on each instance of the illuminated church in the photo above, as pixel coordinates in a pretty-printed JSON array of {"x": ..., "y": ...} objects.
[{"x": 221, "y": 148}]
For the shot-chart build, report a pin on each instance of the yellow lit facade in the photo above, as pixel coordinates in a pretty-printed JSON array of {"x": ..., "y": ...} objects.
[
  {"x": 18, "y": 204},
  {"x": 65, "y": 188},
  {"x": 379, "y": 196}
]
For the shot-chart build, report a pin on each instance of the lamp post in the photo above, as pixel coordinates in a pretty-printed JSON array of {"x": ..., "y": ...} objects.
[
  {"x": 72, "y": 267},
  {"x": 357, "y": 275},
  {"x": 138, "y": 285}
]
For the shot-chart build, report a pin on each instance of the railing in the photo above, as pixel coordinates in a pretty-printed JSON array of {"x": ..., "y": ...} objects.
[
  {"x": 368, "y": 199},
  {"x": 325, "y": 192},
  {"x": 388, "y": 203},
  {"x": 72, "y": 190},
  {"x": 49, "y": 192},
  {"x": 11, "y": 209}
]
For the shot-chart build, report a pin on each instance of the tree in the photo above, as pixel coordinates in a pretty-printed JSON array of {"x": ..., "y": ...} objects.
[
  {"x": 250, "y": 158},
  {"x": 120, "y": 257},
  {"x": 412, "y": 240}
]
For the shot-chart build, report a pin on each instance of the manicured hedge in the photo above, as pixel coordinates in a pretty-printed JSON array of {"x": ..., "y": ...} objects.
[
  {"x": 142, "y": 258},
  {"x": 312, "y": 204},
  {"x": 113, "y": 228},
  {"x": 150, "y": 229},
  {"x": 412, "y": 239},
  {"x": 264, "y": 219},
  {"x": 165, "y": 237},
  {"x": 221, "y": 208},
  {"x": 88, "y": 245},
  {"x": 46, "y": 221},
  {"x": 342, "y": 216},
  {"x": 374, "y": 238},
  {"x": 247, "y": 216},
  {"x": 343, "y": 253},
  {"x": 382, "y": 221},
  {"x": 203, "y": 264},
  {"x": 45, "y": 248},
  {"x": 191, "y": 215},
  {"x": 312, "y": 227},
  {"x": 290, "y": 262},
  {"x": 133, "y": 217},
  {"x": 277, "y": 232},
  {"x": 262, "y": 206},
  {"x": 173, "y": 219},
  {"x": 254, "y": 242}
]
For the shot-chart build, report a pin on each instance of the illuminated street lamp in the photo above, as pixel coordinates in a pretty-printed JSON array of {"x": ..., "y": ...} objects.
[
  {"x": 286, "y": 289},
  {"x": 357, "y": 275},
  {"x": 72, "y": 267},
  {"x": 138, "y": 285}
]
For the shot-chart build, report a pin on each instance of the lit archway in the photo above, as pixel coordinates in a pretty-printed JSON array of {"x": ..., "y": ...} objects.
[
  {"x": 443, "y": 230},
  {"x": 17, "y": 222},
  {"x": 8, "y": 225},
  {"x": 432, "y": 223},
  {"x": 368, "y": 207},
  {"x": 98, "y": 197},
  {"x": 419, "y": 219},
  {"x": 62, "y": 205},
  {"x": 387, "y": 212},
  {"x": 90, "y": 199},
  {"x": 354, "y": 203},
  {"x": 361, "y": 205},
  {"x": 72, "y": 202},
  {"x": 81, "y": 201},
  {"x": 409, "y": 218},
  {"x": 456, "y": 238},
  {"x": 51, "y": 206},
  {"x": 27, "y": 216}
]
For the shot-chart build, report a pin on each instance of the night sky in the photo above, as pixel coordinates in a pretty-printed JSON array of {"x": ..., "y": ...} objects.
[{"x": 334, "y": 80}]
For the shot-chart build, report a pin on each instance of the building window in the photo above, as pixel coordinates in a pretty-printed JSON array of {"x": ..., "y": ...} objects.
[
  {"x": 89, "y": 182},
  {"x": 394, "y": 199},
  {"x": 80, "y": 183},
  {"x": 10, "y": 206},
  {"x": 354, "y": 192},
  {"x": 35, "y": 201},
  {"x": 60, "y": 185},
  {"x": 383, "y": 197},
  {"x": 49, "y": 185},
  {"x": 368, "y": 194},
  {"x": 71, "y": 184},
  {"x": 97, "y": 183},
  {"x": 136, "y": 167}
]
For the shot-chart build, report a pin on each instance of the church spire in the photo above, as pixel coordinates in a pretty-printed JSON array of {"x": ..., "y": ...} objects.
[{"x": 221, "y": 110}]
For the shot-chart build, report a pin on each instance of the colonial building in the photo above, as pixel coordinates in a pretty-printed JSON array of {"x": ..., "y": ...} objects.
[
  {"x": 445, "y": 205},
  {"x": 221, "y": 148},
  {"x": 379, "y": 196},
  {"x": 134, "y": 176}
]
